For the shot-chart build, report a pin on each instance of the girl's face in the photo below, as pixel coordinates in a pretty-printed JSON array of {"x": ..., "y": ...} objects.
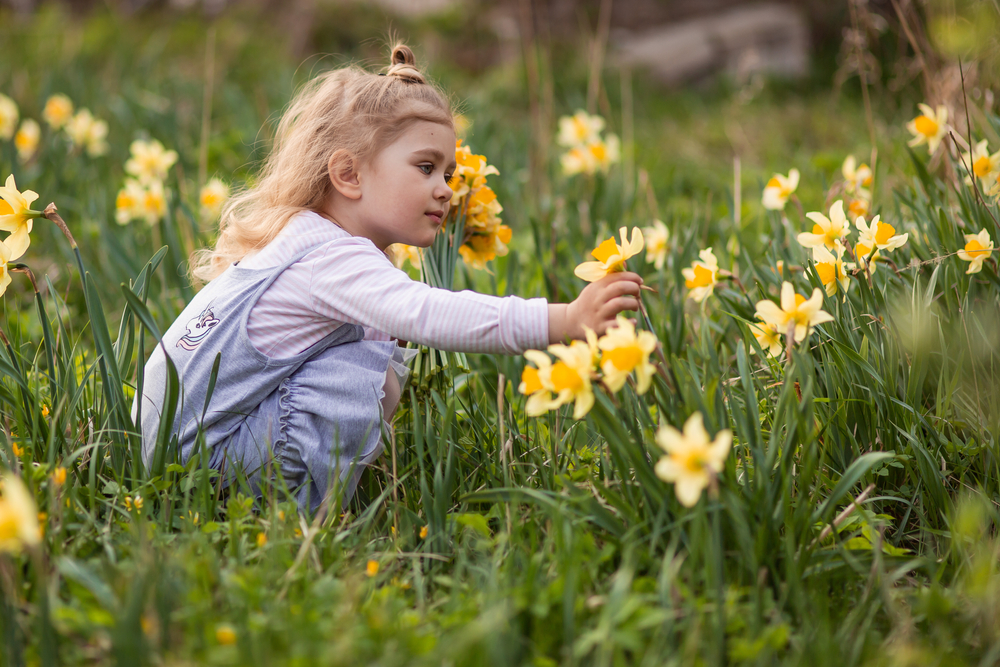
[{"x": 404, "y": 189}]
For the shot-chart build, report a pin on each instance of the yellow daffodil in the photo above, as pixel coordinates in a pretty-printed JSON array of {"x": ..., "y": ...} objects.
[
  {"x": 16, "y": 217},
  {"x": 657, "y": 238},
  {"x": 702, "y": 277},
  {"x": 211, "y": 198},
  {"x": 779, "y": 189},
  {"x": 692, "y": 459},
  {"x": 611, "y": 256},
  {"x": 5, "y": 281},
  {"x": 225, "y": 635},
  {"x": 977, "y": 249},
  {"x": 795, "y": 310},
  {"x": 869, "y": 265},
  {"x": 536, "y": 384},
  {"x": 9, "y": 116},
  {"x": 150, "y": 161},
  {"x": 26, "y": 139},
  {"x": 402, "y": 253},
  {"x": 154, "y": 202},
  {"x": 830, "y": 270},
  {"x": 624, "y": 350},
  {"x": 485, "y": 244},
  {"x": 879, "y": 235},
  {"x": 605, "y": 153},
  {"x": 87, "y": 132},
  {"x": 856, "y": 177},
  {"x": 858, "y": 207},
  {"x": 18, "y": 516},
  {"x": 129, "y": 202},
  {"x": 768, "y": 337},
  {"x": 371, "y": 569},
  {"x": 929, "y": 127},
  {"x": 579, "y": 129},
  {"x": 826, "y": 231},
  {"x": 570, "y": 375},
  {"x": 577, "y": 160},
  {"x": 470, "y": 174},
  {"x": 58, "y": 110},
  {"x": 983, "y": 166}
]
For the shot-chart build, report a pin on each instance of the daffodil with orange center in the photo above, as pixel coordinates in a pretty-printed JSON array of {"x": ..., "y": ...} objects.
[
  {"x": 579, "y": 129},
  {"x": 857, "y": 208},
  {"x": 154, "y": 203},
  {"x": 779, "y": 189},
  {"x": 9, "y": 115},
  {"x": 27, "y": 138},
  {"x": 129, "y": 201},
  {"x": 830, "y": 270},
  {"x": 578, "y": 160},
  {"x": 211, "y": 198},
  {"x": 702, "y": 277},
  {"x": 150, "y": 161},
  {"x": 977, "y": 249},
  {"x": 58, "y": 110},
  {"x": 16, "y": 217},
  {"x": 611, "y": 256},
  {"x": 485, "y": 244},
  {"x": 624, "y": 350},
  {"x": 657, "y": 239},
  {"x": 692, "y": 458},
  {"x": 768, "y": 337},
  {"x": 879, "y": 235},
  {"x": 604, "y": 153},
  {"x": 570, "y": 376},
  {"x": 857, "y": 178},
  {"x": 796, "y": 313},
  {"x": 470, "y": 174},
  {"x": 86, "y": 132},
  {"x": 929, "y": 127},
  {"x": 982, "y": 165},
  {"x": 536, "y": 384},
  {"x": 18, "y": 516},
  {"x": 826, "y": 231}
]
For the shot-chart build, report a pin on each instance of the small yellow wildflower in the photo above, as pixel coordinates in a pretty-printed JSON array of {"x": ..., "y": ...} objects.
[
  {"x": 423, "y": 532},
  {"x": 795, "y": 310},
  {"x": 372, "y": 568},
  {"x": 59, "y": 476},
  {"x": 225, "y": 635},
  {"x": 831, "y": 271},
  {"x": 45, "y": 411},
  {"x": 16, "y": 217},
  {"x": 623, "y": 351},
  {"x": 826, "y": 231},
  {"x": 58, "y": 110},
  {"x": 929, "y": 127},
  {"x": 611, "y": 256},
  {"x": 261, "y": 539},
  {"x": 211, "y": 198},
  {"x": 702, "y": 277},
  {"x": 692, "y": 459},
  {"x": 977, "y": 248},
  {"x": 879, "y": 235},
  {"x": 768, "y": 337},
  {"x": 779, "y": 189},
  {"x": 18, "y": 451},
  {"x": 9, "y": 116},
  {"x": 657, "y": 239},
  {"x": 150, "y": 161},
  {"x": 983, "y": 166},
  {"x": 26, "y": 139},
  {"x": 18, "y": 515},
  {"x": 136, "y": 502}
]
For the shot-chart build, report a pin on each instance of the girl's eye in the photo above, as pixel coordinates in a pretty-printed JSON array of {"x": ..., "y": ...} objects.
[
  {"x": 448, "y": 177},
  {"x": 426, "y": 168}
]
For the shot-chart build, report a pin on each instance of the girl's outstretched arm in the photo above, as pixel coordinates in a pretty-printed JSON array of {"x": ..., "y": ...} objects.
[{"x": 597, "y": 307}]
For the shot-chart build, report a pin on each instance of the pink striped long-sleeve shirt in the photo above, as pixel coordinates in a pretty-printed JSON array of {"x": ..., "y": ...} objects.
[{"x": 347, "y": 279}]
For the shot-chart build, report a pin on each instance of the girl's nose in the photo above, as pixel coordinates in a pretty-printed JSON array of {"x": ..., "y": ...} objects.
[{"x": 443, "y": 192}]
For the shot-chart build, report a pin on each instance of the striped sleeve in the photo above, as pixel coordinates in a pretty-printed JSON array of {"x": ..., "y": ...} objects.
[{"x": 352, "y": 281}]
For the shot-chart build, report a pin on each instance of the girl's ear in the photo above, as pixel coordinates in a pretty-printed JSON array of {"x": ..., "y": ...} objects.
[{"x": 344, "y": 174}]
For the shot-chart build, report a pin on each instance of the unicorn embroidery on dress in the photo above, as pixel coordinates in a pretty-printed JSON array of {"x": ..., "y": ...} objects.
[{"x": 197, "y": 329}]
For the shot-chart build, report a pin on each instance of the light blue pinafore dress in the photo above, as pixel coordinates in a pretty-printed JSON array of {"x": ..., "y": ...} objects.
[{"x": 317, "y": 415}]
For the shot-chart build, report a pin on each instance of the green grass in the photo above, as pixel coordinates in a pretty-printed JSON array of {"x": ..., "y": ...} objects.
[{"x": 565, "y": 548}]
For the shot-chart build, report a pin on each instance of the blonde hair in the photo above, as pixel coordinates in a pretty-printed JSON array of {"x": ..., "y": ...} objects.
[{"x": 344, "y": 116}]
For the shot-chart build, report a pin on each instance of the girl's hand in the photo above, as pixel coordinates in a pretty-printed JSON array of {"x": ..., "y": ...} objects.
[{"x": 597, "y": 307}]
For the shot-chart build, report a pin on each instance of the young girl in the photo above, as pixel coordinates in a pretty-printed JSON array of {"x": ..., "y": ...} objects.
[{"x": 304, "y": 306}]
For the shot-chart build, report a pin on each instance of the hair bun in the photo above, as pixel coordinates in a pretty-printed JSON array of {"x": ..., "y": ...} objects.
[{"x": 404, "y": 65}]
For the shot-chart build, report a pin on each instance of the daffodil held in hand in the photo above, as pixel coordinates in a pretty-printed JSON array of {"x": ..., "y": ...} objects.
[{"x": 611, "y": 256}]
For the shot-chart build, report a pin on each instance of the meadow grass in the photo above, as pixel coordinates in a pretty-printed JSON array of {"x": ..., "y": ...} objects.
[{"x": 484, "y": 535}]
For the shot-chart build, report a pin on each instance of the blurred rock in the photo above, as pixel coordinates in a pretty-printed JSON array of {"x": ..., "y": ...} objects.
[{"x": 771, "y": 38}]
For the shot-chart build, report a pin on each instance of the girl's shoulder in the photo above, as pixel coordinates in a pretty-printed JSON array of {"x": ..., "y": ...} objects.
[{"x": 307, "y": 233}]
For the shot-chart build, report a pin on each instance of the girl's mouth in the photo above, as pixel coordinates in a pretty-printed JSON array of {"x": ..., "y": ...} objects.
[{"x": 436, "y": 216}]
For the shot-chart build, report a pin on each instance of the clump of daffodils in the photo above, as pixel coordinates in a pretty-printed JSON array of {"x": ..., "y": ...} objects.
[
  {"x": 779, "y": 189},
  {"x": 587, "y": 151},
  {"x": 18, "y": 516},
  {"x": 929, "y": 127},
  {"x": 485, "y": 237},
  {"x": 611, "y": 255},
  {"x": 87, "y": 133},
  {"x": 144, "y": 195},
  {"x": 693, "y": 459},
  {"x": 609, "y": 360}
]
